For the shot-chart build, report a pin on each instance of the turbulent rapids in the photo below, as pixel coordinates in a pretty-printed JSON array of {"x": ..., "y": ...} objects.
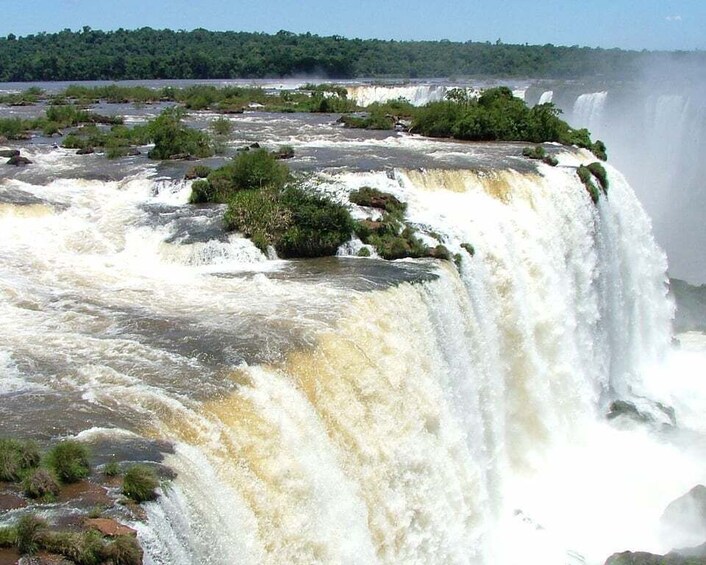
[{"x": 352, "y": 410}]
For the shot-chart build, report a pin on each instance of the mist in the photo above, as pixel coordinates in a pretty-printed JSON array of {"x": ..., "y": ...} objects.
[{"x": 655, "y": 130}]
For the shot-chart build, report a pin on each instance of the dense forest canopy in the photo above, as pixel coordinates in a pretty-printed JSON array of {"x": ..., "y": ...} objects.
[{"x": 200, "y": 54}]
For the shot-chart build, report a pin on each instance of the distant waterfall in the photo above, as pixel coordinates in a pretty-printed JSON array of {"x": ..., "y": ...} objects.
[
  {"x": 588, "y": 110},
  {"x": 546, "y": 97}
]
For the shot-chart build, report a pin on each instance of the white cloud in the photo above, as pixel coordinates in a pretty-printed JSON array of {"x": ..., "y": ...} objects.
[{"x": 676, "y": 18}]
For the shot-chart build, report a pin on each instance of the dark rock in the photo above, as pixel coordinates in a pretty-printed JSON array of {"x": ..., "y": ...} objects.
[
  {"x": 255, "y": 145},
  {"x": 109, "y": 527},
  {"x": 374, "y": 198},
  {"x": 132, "y": 152},
  {"x": 18, "y": 160},
  {"x": 283, "y": 153},
  {"x": 182, "y": 157},
  {"x": 85, "y": 151},
  {"x": 650, "y": 413},
  {"x": 440, "y": 252},
  {"x": 9, "y": 153},
  {"x": 233, "y": 110},
  {"x": 642, "y": 558},
  {"x": 372, "y": 225}
]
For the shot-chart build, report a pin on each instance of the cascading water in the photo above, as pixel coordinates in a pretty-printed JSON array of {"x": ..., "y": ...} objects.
[
  {"x": 417, "y": 95},
  {"x": 414, "y": 412},
  {"x": 588, "y": 111}
]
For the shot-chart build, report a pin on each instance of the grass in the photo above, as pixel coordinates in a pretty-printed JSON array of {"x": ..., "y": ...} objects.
[
  {"x": 140, "y": 483},
  {"x": 41, "y": 484},
  {"x": 69, "y": 461},
  {"x": 16, "y": 458}
]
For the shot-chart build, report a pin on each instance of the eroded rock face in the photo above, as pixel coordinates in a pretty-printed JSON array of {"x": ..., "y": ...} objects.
[
  {"x": 18, "y": 160},
  {"x": 8, "y": 153}
]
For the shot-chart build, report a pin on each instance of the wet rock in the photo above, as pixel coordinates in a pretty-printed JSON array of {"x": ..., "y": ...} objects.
[
  {"x": 7, "y": 153},
  {"x": 647, "y": 412},
  {"x": 18, "y": 160},
  {"x": 283, "y": 153},
  {"x": 374, "y": 198},
  {"x": 9, "y": 556},
  {"x": 11, "y": 501},
  {"x": 642, "y": 558},
  {"x": 85, "y": 494},
  {"x": 85, "y": 151},
  {"x": 109, "y": 527},
  {"x": 182, "y": 157},
  {"x": 255, "y": 145},
  {"x": 43, "y": 558},
  {"x": 683, "y": 522}
]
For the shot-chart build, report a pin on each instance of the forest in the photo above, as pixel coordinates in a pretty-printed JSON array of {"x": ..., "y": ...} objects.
[{"x": 200, "y": 54}]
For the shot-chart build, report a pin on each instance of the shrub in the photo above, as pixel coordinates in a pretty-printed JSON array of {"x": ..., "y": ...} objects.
[
  {"x": 8, "y": 537},
  {"x": 16, "y": 458},
  {"x": 124, "y": 550},
  {"x": 197, "y": 172},
  {"x": 85, "y": 548},
  {"x": 111, "y": 469},
  {"x": 551, "y": 160},
  {"x": 13, "y": 128},
  {"x": 172, "y": 138},
  {"x": 363, "y": 252},
  {"x": 257, "y": 169},
  {"x": 69, "y": 460},
  {"x": 598, "y": 171},
  {"x": 375, "y": 198},
  {"x": 536, "y": 152},
  {"x": 29, "y": 532},
  {"x": 40, "y": 484},
  {"x": 586, "y": 177},
  {"x": 221, "y": 126},
  {"x": 469, "y": 249},
  {"x": 201, "y": 192},
  {"x": 140, "y": 483},
  {"x": 599, "y": 150}
]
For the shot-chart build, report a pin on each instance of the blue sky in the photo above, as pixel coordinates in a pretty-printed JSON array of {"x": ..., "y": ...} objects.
[{"x": 632, "y": 24}]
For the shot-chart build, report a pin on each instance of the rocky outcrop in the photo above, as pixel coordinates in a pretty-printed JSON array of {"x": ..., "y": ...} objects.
[
  {"x": 642, "y": 558},
  {"x": 18, "y": 160},
  {"x": 7, "y": 153},
  {"x": 109, "y": 527}
]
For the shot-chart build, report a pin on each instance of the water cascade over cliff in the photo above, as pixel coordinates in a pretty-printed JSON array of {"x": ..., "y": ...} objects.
[{"x": 356, "y": 411}]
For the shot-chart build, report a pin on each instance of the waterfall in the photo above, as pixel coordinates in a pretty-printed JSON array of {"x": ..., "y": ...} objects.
[
  {"x": 417, "y": 95},
  {"x": 451, "y": 416},
  {"x": 588, "y": 111},
  {"x": 546, "y": 97}
]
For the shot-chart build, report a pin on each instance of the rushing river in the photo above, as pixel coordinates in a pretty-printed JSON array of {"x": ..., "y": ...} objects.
[{"x": 352, "y": 410}]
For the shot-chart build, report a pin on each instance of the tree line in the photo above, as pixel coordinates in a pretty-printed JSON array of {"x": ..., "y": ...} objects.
[{"x": 200, "y": 54}]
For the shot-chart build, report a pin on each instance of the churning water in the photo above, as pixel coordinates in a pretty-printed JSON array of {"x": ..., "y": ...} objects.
[{"x": 352, "y": 410}]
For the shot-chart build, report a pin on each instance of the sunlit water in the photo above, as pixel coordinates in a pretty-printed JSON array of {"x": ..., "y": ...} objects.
[{"x": 352, "y": 410}]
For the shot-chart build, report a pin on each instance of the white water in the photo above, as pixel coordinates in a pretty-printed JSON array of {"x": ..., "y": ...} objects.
[
  {"x": 546, "y": 97},
  {"x": 417, "y": 95},
  {"x": 588, "y": 111},
  {"x": 458, "y": 420}
]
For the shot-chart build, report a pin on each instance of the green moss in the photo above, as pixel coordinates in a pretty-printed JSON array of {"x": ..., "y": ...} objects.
[
  {"x": 17, "y": 457},
  {"x": 69, "y": 461},
  {"x": 363, "y": 252},
  {"x": 551, "y": 160},
  {"x": 140, "y": 483}
]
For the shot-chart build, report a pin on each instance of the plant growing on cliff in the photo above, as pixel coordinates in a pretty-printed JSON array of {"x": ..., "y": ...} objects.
[
  {"x": 140, "y": 483},
  {"x": 16, "y": 458},
  {"x": 69, "y": 461}
]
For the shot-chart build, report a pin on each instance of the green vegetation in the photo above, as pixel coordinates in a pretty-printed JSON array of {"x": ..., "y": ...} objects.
[
  {"x": 32, "y": 534},
  {"x": 538, "y": 152},
  {"x": 375, "y": 198},
  {"x": 295, "y": 223},
  {"x": 173, "y": 139},
  {"x": 221, "y": 126},
  {"x": 40, "y": 484},
  {"x": 598, "y": 171},
  {"x": 28, "y": 533},
  {"x": 69, "y": 461},
  {"x": 587, "y": 174},
  {"x": 17, "y": 458},
  {"x": 139, "y": 483},
  {"x": 199, "y": 54},
  {"x": 469, "y": 249},
  {"x": 111, "y": 469},
  {"x": 363, "y": 252},
  {"x": 391, "y": 237}
]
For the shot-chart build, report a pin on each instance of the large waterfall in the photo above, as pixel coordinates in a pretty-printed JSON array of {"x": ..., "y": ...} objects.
[{"x": 352, "y": 410}]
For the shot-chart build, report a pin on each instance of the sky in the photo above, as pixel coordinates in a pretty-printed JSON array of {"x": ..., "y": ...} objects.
[{"x": 627, "y": 24}]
